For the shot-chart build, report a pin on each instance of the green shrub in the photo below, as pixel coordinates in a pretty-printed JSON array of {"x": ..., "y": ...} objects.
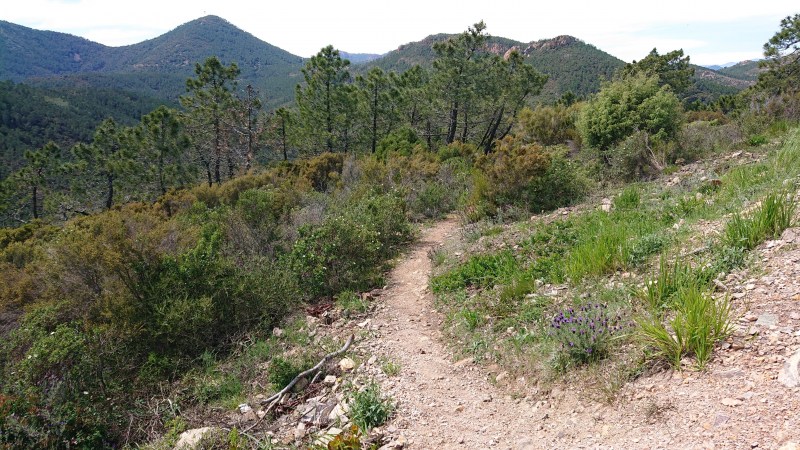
[
  {"x": 368, "y": 408},
  {"x": 624, "y": 106},
  {"x": 525, "y": 176},
  {"x": 548, "y": 125},
  {"x": 336, "y": 256},
  {"x": 398, "y": 142}
]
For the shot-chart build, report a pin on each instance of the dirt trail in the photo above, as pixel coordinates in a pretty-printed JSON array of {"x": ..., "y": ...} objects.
[
  {"x": 739, "y": 402},
  {"x": 442, "y": 404}
]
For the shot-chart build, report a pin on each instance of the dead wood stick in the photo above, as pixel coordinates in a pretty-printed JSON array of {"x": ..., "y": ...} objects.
[{"x": 276, "y": 398}]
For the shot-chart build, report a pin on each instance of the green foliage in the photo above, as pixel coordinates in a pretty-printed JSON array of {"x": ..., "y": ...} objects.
[
  {"x": 352, "y": 303},
  {"x": 606, "y": 242},
  {"x": 756, "y": 140},
  {"x": 390, "y": 368},
  {"x": 660, "y": 290},
  {"x": 349, "y": 439},
  {"x": 398, "y": 142},
  {"x": 217, "y": 387},
  {"x": 700, "y": 321},
  {"x": 528, "y": 177},
  {"x": 782, "y": 61},
  {"x": 368, "y": 408},
  {"x": 672, "y": 69},
  {"x": 625, "y": 106},
  {"x": 628, "y": 199},
  {"x": 210, "y": 107},
  {"x": 479, "y": 270},
  {"x": 323, "y": 102},
  {"x": 548, "y": 125},
  {"x": 283, "y": 371},
  {"x": 775, "y": 214},
  {"x": 155, "y": 68},
  {"x": 345, "y": 251},
  {"x": 583, "y": 332}
]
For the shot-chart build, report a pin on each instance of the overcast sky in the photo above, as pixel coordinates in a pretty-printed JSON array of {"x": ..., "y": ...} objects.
[{"x": 711, "y": 32}]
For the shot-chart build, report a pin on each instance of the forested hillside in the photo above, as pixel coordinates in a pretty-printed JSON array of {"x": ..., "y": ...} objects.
[
  {"x": 32, "y": 116},
  {"x": 571, "y": 64},
  {"x": 745, "y": 70},
  {"x": 154, "y": 67}
]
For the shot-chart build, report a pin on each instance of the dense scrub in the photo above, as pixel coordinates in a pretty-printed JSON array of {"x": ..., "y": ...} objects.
[{"x": 99, "y": 313}]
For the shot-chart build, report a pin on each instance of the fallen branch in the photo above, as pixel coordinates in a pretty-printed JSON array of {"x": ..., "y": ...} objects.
[{"x": 278, "y": 396}]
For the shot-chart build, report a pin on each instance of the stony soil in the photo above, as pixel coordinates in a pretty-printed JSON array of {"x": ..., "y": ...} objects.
[{"x": 745, "y": 399}]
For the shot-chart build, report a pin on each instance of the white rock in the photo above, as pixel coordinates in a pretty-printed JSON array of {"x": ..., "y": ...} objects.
[
  {"x": 190, "y": 438},
  {"x": 329, "y": 380},
  {"x": 789, "y": 375},
  {"x": 732, "y": 402},
  {"x": 277, "y": 332},
  {"x": 347, "y": 364}
]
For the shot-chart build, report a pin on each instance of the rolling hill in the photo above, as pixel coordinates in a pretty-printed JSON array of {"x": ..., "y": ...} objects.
[
  {"x": 745, "y": 70},
  {"x": 157, "y": 67},
  {"x": 571, "y": 64}
]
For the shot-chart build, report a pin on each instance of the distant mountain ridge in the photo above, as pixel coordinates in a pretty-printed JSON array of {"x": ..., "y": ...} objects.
[
  {"x": 158, "y": 66},
  {"x": 571, "y": 64},
  {"x": 359, "y": 58}
]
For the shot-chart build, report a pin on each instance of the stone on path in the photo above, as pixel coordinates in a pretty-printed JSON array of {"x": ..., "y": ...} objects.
[
  {"x": 790, "y": 373},
  {"x": 346, "y": 364}
]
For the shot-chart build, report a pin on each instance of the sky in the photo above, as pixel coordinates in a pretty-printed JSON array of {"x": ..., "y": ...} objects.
[{"x": 710, "y": 32}]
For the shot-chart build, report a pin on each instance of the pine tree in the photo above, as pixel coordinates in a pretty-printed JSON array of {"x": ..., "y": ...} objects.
[
  {"x": 108, "y": 163},
  {"x": 322, "y": 103},
  {"x": 210, "y": 104},
  {"x": 163, "y": 147}
]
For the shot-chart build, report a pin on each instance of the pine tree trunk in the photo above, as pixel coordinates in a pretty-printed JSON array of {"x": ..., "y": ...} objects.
[
  {"x": 451, "y": 130},
  {"x": 109, "y": 191}
]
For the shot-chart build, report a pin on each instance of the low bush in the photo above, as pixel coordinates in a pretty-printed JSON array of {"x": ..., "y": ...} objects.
[
  {"x": 525, "y": 176},
  {"x": 583, "y": 333},
  {"x": 368, "y": 408}
]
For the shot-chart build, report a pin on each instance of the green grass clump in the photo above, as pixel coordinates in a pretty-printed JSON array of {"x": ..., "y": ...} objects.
[
  {"x": 479, "y": 271},
  {"x": 660, "y": 289},
  {"x": 351, "y": 303},
  {"x": 282, "y": 370},
  {"x": 629, "y": 198},
  {"x": 368, "y": 408},
  {"x": 768, "y": 221},
  {"x": 605, "y": 243},
  {"x": 698, "y": 324}
]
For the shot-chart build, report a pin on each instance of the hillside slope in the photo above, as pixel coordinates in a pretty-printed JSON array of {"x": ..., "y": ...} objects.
[{"x": 157, "y": 66}]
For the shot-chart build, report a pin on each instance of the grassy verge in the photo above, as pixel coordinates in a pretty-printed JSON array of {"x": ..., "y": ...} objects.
[{"x": 640, "y": 261}]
